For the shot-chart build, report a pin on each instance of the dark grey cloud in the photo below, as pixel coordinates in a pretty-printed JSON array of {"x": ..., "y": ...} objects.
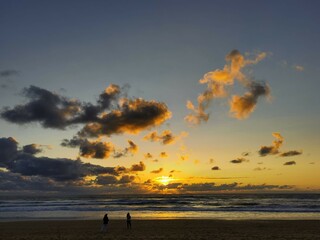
[
  {"x": 239, "y": 160},
  {"x": 8, "y": 150},
  {"x": 16, "y": 182},
  {"x": 213, "y": 187},
  {"x": 8, "y": 73},
  {"x": 215, "y": 168},
  {"x": 45, "y": 107},
  {"x": 138, "y": 167},
  {"x": 32, "y": 149},
  {"x": 105, "y": 180},
  {"x": 62, "y": 169},
  {"x": 289, "y": 163},
  {"x": 126, "y": 179},
  {"x": 290, "y": 153},
  {"x": 109, "y": 115},
  {"x": 132, "y": 117},
  {"x": 90, "y": 149},
  {"x": 59, "y": 169}
]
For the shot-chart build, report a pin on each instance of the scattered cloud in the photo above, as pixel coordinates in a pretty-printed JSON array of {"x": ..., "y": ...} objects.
[
  {"x": 183, "y": 157},
  {"x": 289, "y": 163},
  {"x": 148, "y": 156},
  {"x": 32, "y": 149},
  {"x": 290, "y": 153},
  {"x": 163, "y": 155},
  {"x": 261, "y": 169},
  {"x": 239, "y": 160},
  {"x": 246, "y": 154},
  {"x": 166, "y": 137},
  {"x": 298, "y": 68},
  {"x": 157, "y": 171},
  {"x": 90, "y": 149},
  {"x": 274, "y": 149},
  {"x": 215, "y": 168},
  {"x": 8, "y": 73},
  {"x": 242, "y": 106},
  {"x": 213, "y": 187},
  {"x": 113, "y": 113},
  {"x": 133, "y": 149},
  {"x": 218, "y": 80},
  {"x": 138, "y": 167}
]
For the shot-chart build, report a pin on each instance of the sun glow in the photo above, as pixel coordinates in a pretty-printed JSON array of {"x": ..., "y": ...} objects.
[{"x": 164, "y": 180}]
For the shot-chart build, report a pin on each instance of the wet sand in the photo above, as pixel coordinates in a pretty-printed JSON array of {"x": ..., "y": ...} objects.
[{"x": 162, "y": 229}]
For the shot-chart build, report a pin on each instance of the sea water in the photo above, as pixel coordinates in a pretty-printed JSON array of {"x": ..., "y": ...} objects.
[{"x": 218, "y": 206}]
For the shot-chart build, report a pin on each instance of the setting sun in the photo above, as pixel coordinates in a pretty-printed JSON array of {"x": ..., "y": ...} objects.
[{"x": 164, "y": 180}]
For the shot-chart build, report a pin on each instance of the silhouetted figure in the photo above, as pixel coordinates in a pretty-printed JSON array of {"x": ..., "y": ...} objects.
[
  {"x": 105, "y": 223},
  {"x": 128, "y": 221}
]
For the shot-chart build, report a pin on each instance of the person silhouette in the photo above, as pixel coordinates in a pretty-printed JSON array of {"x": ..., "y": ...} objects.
[
  {"x": 105, "y": 223},
  {"x": 128, "y": 221}
]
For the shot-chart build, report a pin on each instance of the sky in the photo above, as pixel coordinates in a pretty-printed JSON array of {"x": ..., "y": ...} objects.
[{"x": 159, "y": 96}]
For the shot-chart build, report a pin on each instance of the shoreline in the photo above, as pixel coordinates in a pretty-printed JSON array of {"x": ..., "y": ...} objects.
[{"x": 162, "y": 229}]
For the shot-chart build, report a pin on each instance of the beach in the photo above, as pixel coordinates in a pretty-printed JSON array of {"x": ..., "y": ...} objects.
[{"x": 162, "y": 229}]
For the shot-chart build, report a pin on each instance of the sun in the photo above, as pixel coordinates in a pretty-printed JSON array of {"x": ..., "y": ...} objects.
[{"x": 164, "y": 180}]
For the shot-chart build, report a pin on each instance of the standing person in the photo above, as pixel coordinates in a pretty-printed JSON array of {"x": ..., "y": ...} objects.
[
  {"x": 128, "y": 221},
  {"x": 105, "y": 223}
]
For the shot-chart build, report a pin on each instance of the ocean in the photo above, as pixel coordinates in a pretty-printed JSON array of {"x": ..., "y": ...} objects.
[{"x": 218, "y": 206}]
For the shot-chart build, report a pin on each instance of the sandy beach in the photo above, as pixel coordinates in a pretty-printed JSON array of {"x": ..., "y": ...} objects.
[{"x": 162, "y": 229}]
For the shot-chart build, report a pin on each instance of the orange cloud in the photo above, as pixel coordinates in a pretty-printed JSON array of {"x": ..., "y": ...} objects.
[
  {"x": 274, "y": 149},
  {"x": 217, "y": 81}
]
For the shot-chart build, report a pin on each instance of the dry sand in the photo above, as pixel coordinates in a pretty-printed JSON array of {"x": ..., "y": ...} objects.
[{"x": 161, "y": 229}]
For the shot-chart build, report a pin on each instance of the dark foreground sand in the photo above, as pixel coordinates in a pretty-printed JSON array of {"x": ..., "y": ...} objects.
[{"x": 161, "y": 229}]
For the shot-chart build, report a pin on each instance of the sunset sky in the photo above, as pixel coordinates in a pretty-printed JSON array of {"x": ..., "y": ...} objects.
[{"x": 159, "y": 96}]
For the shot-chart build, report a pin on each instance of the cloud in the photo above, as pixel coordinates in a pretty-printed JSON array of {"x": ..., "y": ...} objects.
[
  {"x": 274, "y": 149},
  {"x": 242, "y": 106},
  {"x": 106, "y": 179},
  {"x": 218, "y": 80},
  {"x": 8, "y": 73},
  {"x": 138, "y": 167},
  {"x": 112, "y": 180},
  {"x": 163, "y": 155},
  {"x": 157, "y": 171},
  {"x": 289, "y": 163},
  {"x": 90, "y": 149},
  {"x": 8, "y": 151},
  {"x": 166, "y": 137},
  {"x": 213, "y": 187},
  {"x": 133, "y": 148},
  {"x": 59, "y": 169},
  {"x": 148, "y": 156},
  {"x": 45, "y": 107},
  {"x": 290, "y": 153},
  {"x": 261, "y": 169},
  {"x": 32, "y": 149},
  {"x": 184, "y": 157},
  {"x": 246, "y": 154},
  {"x": 110, "y": 115},
  {"x": 298, "y": 68},
  {"x": 239, "y": 160},
  {"x": 215, "y": 168}
]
